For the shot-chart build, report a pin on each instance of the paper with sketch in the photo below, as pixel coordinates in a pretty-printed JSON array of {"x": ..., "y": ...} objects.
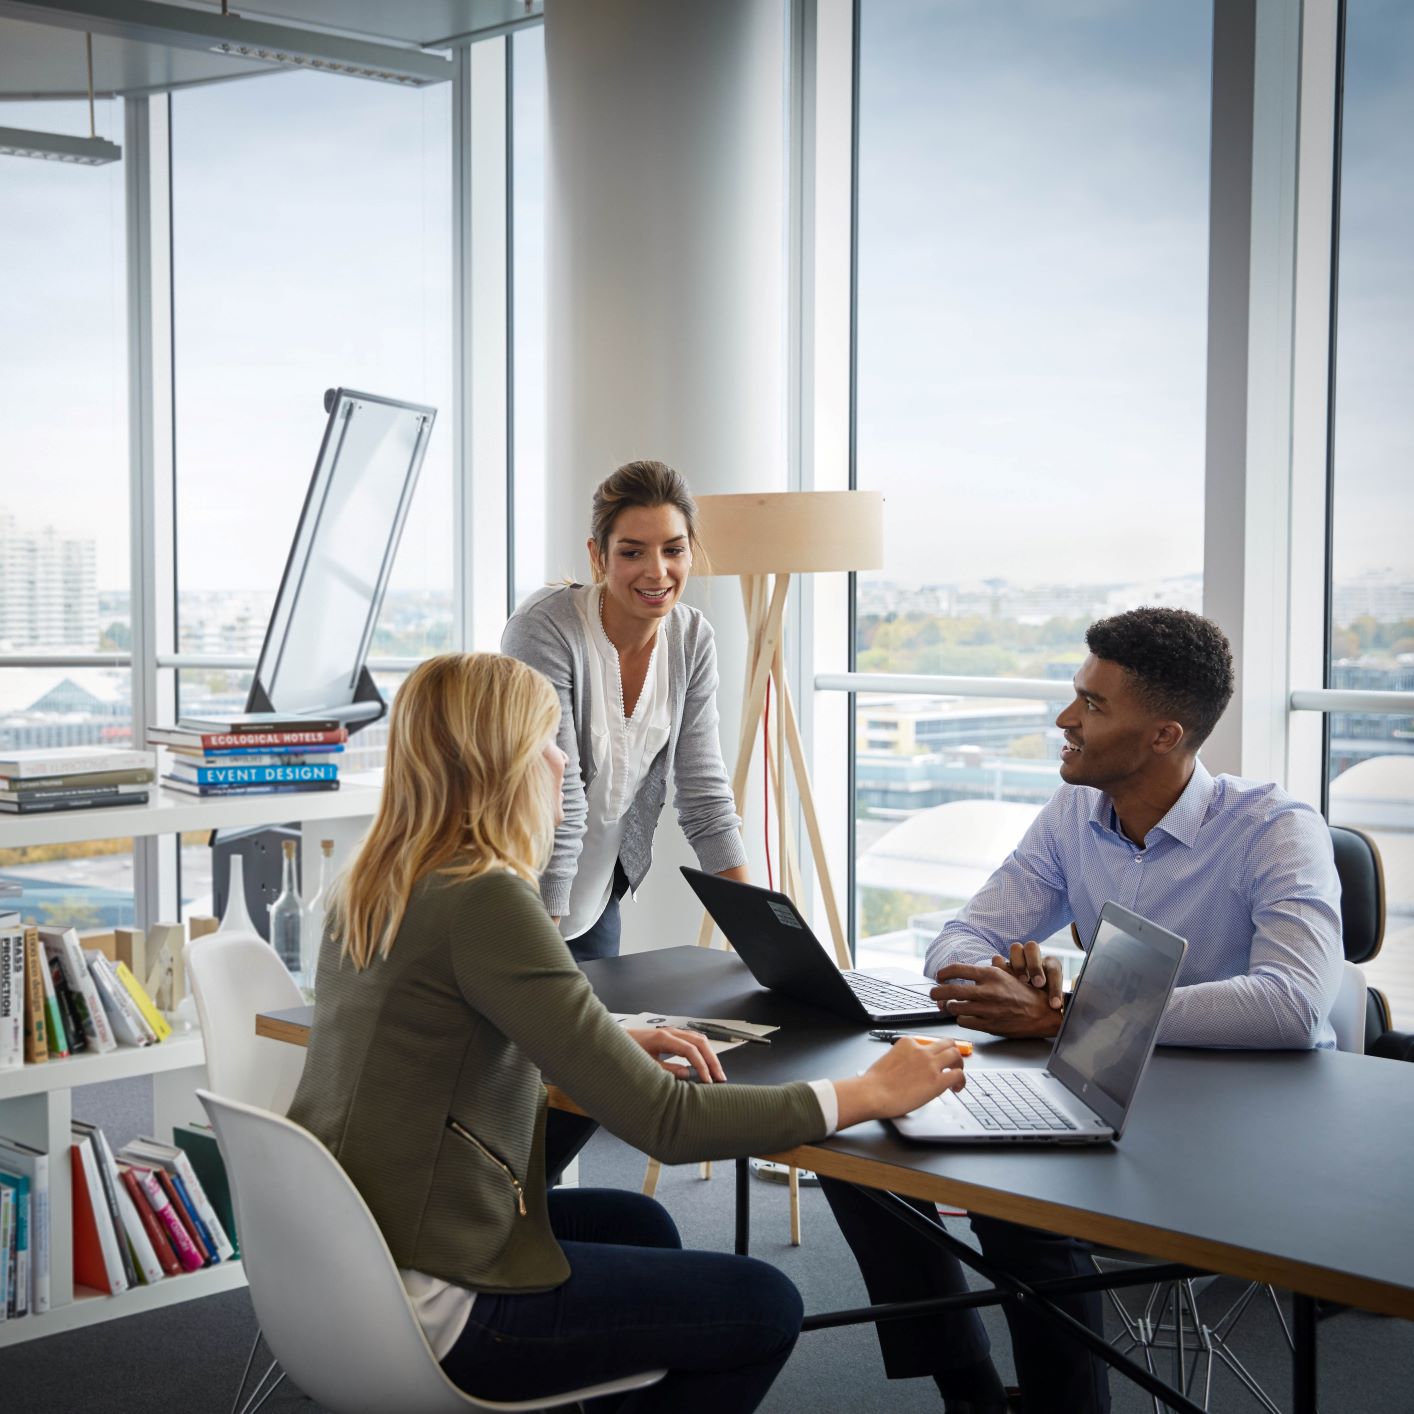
[{"x": 686, "y": 1023}]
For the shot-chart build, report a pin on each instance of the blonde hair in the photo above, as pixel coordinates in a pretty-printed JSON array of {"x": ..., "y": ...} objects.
[{"x": 466, "y": 789}]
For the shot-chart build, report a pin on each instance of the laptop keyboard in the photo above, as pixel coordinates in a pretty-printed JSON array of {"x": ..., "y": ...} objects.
[
  {"x": 1003, "y": 1100},
  {"x": 878, "y": 995}
]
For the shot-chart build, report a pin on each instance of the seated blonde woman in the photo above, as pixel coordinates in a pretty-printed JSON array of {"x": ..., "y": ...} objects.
[{"x": 444, "y": 992}]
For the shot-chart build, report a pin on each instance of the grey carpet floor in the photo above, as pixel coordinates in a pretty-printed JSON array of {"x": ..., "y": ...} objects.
[{"x": 187, "y": 1358}]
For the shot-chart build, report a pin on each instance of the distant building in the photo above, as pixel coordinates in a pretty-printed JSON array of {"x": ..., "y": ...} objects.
[
  {"x": 48, "y": 589},
  {"x": 1378, "y": 595},
  {"x": 50, "y": 707}
]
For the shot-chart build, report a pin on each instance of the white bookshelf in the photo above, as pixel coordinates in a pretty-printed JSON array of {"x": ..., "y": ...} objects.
[
  {"x": 36, "y": 1100},
  {"x": 88, "y": 1307},
  {"x": 171, "y": 812},
  {"x": 36, "y": 1107}
]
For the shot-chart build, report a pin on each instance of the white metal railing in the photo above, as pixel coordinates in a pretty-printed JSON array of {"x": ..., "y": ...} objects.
[
  {"x": 1322, "y": 699},
  {"x": 170, "y": 660},
  {"x": 1033, "y": 689},
  {"x": 1339, "y": 699}
]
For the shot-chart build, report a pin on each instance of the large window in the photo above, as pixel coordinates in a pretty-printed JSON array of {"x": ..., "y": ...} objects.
[
  {"x": 311, "y": 250},
  {"x": 64, "y": 527},
  {"x": 528, "y": 304},
  {"x": 1031, "y": 363},
  {"x": 1371, "y": 757}
]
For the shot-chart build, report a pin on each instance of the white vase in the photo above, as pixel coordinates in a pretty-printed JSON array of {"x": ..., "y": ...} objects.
[{"x": 236, "y": 918}]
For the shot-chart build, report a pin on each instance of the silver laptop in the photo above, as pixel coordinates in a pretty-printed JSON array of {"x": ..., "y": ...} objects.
[
  {"x": 777, "y": 944},
  {"x": 1085, "y": 1092}
]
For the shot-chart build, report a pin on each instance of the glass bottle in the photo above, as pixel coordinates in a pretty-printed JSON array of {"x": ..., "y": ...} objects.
[
  {"x": 236, "y": 918},
  {"x": 312, "y": 920},
  {"x": 285, "y": 914}
]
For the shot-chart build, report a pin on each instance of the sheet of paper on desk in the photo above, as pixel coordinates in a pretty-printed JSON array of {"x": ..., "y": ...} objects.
[{"x": 655, "y": 1018}]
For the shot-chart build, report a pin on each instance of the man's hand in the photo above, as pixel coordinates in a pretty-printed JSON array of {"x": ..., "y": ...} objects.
[
  {"x": 692, "y": 1046},
  {"x": 993, "y": 999},
  {"x": 1029, "y": 963}
]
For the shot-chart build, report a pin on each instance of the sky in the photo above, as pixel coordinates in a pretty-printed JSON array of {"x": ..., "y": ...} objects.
[{"x": 1033, "y": 208}]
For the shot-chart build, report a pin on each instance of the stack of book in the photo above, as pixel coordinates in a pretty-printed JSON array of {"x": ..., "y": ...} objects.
[
  {"x": 142, "y": 1214},
  {"x": 73, "y": 778},
  {"x": 58, "y": 998},
  {"x": 254, "y": 753},
  {"x": 148, "y": 1212}
]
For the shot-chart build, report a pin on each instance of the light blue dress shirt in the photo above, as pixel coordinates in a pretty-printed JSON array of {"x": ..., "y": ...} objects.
[{"x": 1239, "y": 868}]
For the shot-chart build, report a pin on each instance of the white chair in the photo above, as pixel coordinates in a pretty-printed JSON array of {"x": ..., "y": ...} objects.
[
  {"x": 234, "y": 976},
  {"x": 324, "y": 1284}
]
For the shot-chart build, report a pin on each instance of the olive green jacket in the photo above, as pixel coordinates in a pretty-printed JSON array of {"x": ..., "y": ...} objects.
[{"x": 424, "y": 1080}]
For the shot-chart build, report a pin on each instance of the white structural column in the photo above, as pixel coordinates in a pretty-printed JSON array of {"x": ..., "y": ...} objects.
[
  {"x": 1269, "y": 249},
  {"x": 666, "y": 199}
]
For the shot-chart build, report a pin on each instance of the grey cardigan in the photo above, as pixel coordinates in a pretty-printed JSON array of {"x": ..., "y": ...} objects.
[{"x": 548, "y": 633}]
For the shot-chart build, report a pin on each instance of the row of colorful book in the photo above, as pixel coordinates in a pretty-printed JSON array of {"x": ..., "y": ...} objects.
[
  {"x": 47, "y": 779},
  {"x": 145, "y": 1213},
  {"x": 58, "y": 997},
  {"x": 253, "y": 753}
]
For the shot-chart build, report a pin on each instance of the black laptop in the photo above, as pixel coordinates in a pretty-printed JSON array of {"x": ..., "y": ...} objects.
[{"x": 777, "y": 944}]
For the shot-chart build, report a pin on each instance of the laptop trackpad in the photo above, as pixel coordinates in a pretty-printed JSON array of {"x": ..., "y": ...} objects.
[{"x": 901, "y": 977}]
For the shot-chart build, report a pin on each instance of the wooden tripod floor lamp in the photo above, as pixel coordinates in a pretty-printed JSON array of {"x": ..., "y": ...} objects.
[{"x": 765, "y": 539}]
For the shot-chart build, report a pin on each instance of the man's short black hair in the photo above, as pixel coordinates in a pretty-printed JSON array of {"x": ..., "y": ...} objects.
[{"x": 1180, "y": 661}]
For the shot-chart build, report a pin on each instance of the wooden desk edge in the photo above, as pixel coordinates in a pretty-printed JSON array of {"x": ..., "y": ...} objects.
[{"x": 1054, "y": 1217}]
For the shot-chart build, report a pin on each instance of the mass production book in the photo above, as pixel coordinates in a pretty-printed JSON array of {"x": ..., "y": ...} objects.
[{"x": 12, "y": 992}]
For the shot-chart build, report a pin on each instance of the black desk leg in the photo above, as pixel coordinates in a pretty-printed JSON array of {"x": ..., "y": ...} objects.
[
  {"x": 1303, "y": 1355},
  {"x": 743, "y": 1207}
]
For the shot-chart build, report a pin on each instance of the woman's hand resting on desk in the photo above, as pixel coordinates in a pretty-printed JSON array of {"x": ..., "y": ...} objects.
[
  {"x": 692, "y": 1046},
  {"x": 905, "y": 1076}
]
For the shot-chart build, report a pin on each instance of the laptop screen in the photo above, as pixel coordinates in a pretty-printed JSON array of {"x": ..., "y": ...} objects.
[{"x": 1114, "y": 1013}]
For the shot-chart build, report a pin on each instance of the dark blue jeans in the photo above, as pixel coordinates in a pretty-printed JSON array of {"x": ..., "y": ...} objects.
[
  {"x": 1056, "y": 1375},
  {"x": 722, "y": 1326}
]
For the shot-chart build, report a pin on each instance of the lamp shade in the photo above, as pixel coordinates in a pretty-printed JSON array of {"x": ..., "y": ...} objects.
[{"x": 791, "y": 532}]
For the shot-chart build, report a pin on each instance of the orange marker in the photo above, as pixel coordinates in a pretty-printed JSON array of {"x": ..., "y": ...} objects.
[{"x": 964, "y": 1048}]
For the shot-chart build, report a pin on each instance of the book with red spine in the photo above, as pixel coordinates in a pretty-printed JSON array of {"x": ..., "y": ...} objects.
[
  {"x": 216, "y": 741},
  {"x": 190, "y": 1259},
  {"x": 156, "y": 1234},
  {"x": 95, "y": 1250},
  {"x": 184, "y": 1213}
]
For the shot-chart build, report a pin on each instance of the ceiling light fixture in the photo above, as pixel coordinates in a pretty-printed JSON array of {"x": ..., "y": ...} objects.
[
  {"x": 237, "y": 37},
  {"x": 90, "y": 151}
]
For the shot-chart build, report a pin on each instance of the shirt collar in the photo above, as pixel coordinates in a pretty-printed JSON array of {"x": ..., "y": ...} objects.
[{"x": 1185, "y": 816}]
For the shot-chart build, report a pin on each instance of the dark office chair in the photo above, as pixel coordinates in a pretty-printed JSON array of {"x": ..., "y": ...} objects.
[{"x": 1362, "y": 921}]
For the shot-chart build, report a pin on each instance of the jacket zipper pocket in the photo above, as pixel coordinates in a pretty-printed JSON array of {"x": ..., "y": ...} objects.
[{"x": 500, "y": 1163}]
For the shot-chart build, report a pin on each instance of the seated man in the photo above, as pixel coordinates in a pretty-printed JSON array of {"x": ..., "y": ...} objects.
[{"x": 1242, "y": 870}]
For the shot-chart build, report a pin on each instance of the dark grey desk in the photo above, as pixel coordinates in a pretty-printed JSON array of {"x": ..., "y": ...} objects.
[{"x": 1286, "y": 1167}]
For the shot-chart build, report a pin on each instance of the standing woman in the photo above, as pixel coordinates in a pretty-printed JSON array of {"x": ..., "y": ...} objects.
[{"x": 636, "y": 674}]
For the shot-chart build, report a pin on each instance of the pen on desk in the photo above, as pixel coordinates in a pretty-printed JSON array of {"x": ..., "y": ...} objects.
[{"x": 714, "y": 1031}]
